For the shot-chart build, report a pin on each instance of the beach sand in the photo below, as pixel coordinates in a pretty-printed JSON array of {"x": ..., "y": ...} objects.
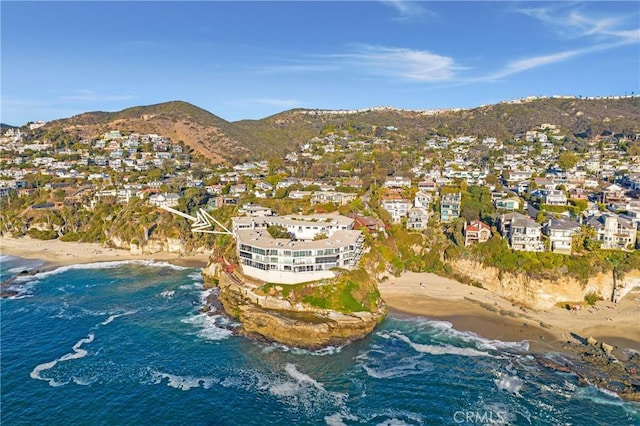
[
  {"x": 59, "y": 253},
  {"x": 477, "y": 310}
]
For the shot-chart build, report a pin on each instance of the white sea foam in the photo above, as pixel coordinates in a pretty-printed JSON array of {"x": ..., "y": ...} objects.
[
  {"x": 183, "y": 383},
  {"x": 77, "y": 353},
  {"x": 108, "y": 265},
  {"x": 168, "y": 294},
  {"x": 204, "y": 295},
  {"x": 19, "y": 296},
  {"x": 511, "y": 384},
  {"x": 445, "y": 329},
  {"x": 301, "y": 377},
  {"x": 405, "y": 367},
  {"x": 114, "y": 316},
  {"x": 395, "y": 417},
  {"x": 289, "y": 388},
  {"x": 212, "y": 327},
  {"x": 445, "y": 349},
  {"x": 393, "y": 422},
  {"x": 328, "y": 350},
  {"x": 337, "y": 419},
  {"x": 301, "y": 392},
  {"x": 196, "y": 276}
]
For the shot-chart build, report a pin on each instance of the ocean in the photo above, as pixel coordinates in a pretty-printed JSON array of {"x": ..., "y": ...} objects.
[{"x": 123, "y": 343}]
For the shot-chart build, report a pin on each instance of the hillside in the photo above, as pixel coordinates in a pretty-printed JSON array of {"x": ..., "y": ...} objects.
[
  {"x": 178, "y": 120},
  {"x": 220, "y": 140}
]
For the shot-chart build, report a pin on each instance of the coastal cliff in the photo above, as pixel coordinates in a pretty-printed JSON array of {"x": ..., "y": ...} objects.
[
  {"x": 277, "y": 319},
  {"x": 541, "y": 294}
]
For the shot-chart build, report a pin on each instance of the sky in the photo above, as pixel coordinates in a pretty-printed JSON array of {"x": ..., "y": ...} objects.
[{"x": 249, "y": 60}]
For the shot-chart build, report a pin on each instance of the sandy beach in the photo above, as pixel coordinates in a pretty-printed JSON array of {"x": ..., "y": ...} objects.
[
  {"x": 59, "y": 253},
  {"x": 474, "y": 309}
]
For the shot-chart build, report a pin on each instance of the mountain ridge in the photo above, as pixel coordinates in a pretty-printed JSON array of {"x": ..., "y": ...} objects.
[{"x": 221, "y": 140}]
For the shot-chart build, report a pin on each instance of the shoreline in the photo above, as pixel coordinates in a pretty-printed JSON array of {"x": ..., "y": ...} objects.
[
  {"x": 425, "y": 295},
  {"x": 55, "y": 253},
  {"x": 486, "y": 314}
]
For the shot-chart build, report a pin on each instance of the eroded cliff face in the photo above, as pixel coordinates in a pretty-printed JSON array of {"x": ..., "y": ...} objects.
[
  {"x": 298, "y": 325},
  {"x": 168, "y": 245},
  {"x": 543, "y": 294}
]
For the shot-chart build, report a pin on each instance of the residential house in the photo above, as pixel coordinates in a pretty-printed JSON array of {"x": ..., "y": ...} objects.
[
  {"x": 578, "y": 194},
  {"x": 299, "y": 195},
  {"x": 560, "y": 232},
  {"x": 417, "y": 218},
  {"x": 613, "y": 194},
  {"x": 397, "y": 182},
  {"x": 369, "y": 223},
  {"x": 613, "y": 231},
  {"x": 508, "y": 204},
  {"x": 427, "y": 186},
  {"x": 340, "y": 198},
  {"x": 422, "y": 200},
  {"x": 237, "y": 189},
  {"x": 397, "y": 207},
  {"x": 164, "y": 200},
  {"x": 522, "y": 232},
  {"x": 254, "y": 210},
  {"x": 476, "y": 232},
  {"x": 555, "y": 197},
  {"x": 450, "y": 207}
]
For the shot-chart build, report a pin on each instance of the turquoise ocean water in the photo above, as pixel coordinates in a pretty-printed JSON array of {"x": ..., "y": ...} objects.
[{"x": 123, "y": 343}]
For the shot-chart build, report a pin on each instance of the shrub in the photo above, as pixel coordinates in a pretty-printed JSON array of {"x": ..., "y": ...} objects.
[
  {"x": 592, "y": 297},
  {"x": 42, "y": 235}
]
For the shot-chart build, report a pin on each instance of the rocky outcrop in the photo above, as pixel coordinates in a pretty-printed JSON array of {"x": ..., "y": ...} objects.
[
  {"x": 298, "y": 325},
  {"x": 543, "y": 293},
  {"x": 596, "y": 365},
  {"x": 306, "y": 330}
]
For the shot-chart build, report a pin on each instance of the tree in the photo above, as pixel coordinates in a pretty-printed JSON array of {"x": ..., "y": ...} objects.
[
  {"x": 59, "y": 194},
  {"x": 567, "y": 160}
]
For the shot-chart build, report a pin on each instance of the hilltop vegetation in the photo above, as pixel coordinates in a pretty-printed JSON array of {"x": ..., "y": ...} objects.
[{"x": 276, "y": 135}]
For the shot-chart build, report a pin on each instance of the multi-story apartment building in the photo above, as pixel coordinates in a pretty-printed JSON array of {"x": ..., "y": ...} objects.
[
  {"x": 302, "y": 257},
  {"x": 450, "y": 207}
]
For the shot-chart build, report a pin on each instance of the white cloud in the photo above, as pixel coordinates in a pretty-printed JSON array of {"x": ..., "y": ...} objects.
[
  {"x": 402, "y": 63},
  {"x": 572, "y": 22},
  {"x": 408, "y": 10},
  {"x": 600, "y": 34}
]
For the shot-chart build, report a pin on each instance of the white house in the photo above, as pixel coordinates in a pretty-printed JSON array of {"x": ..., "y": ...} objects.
[{"x": 164, "y": 200}]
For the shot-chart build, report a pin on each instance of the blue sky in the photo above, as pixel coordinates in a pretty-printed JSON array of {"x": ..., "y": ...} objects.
[{"x": 254, "y": 59}]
